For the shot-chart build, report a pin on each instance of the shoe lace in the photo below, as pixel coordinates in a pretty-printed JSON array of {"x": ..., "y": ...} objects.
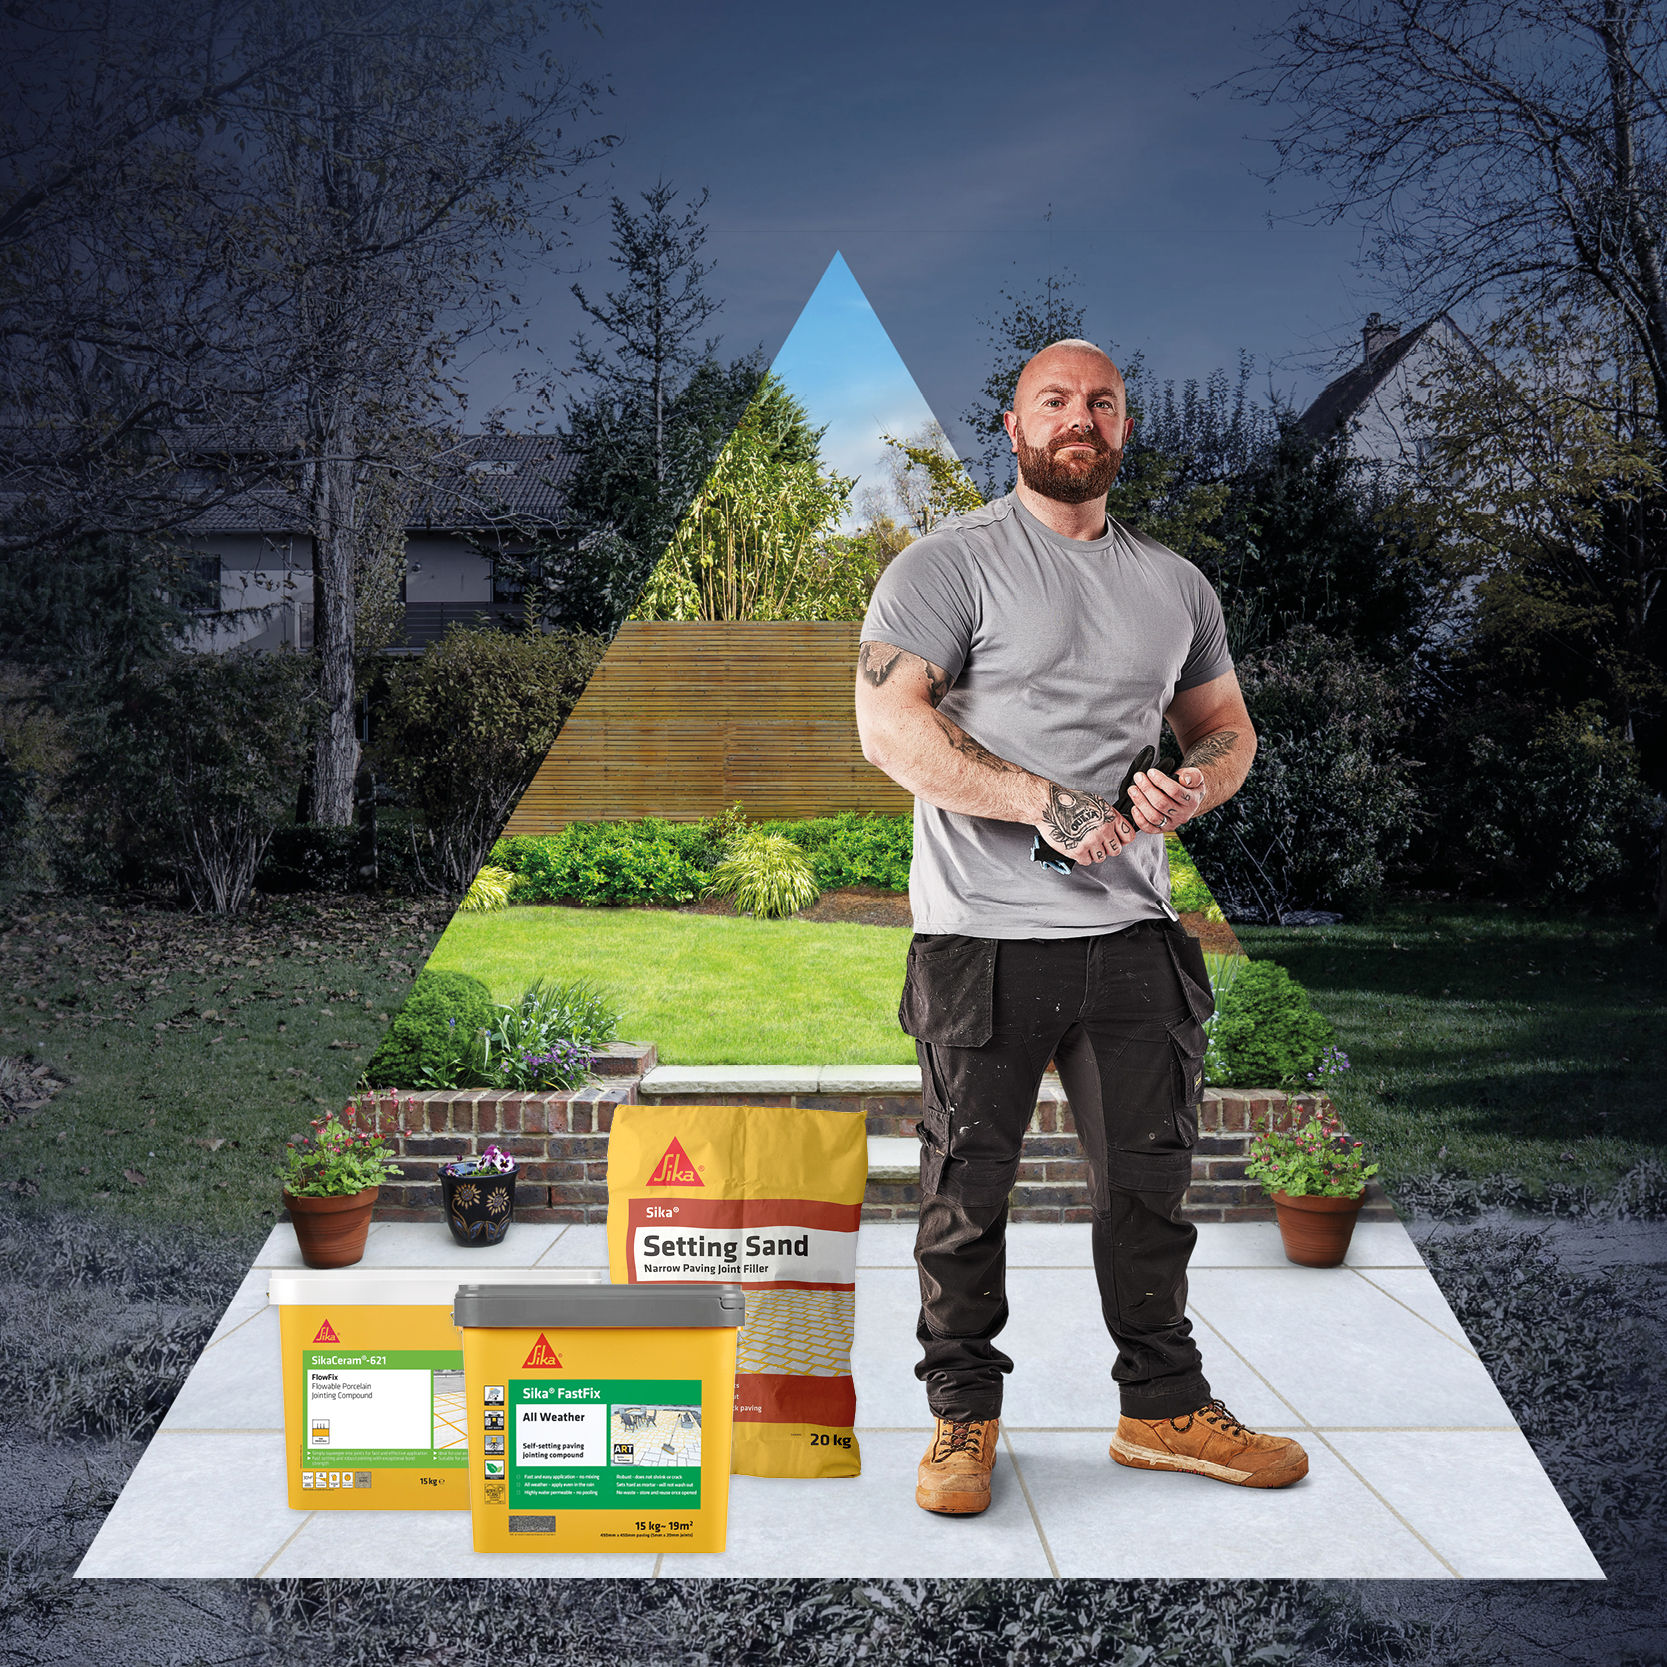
[
  {"x": 960, "y": 1438},
  {"x": 1214, "y": 1412}
]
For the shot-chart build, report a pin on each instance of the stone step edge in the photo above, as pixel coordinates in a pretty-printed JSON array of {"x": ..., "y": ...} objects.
[{"x": 781, "y": 1079}]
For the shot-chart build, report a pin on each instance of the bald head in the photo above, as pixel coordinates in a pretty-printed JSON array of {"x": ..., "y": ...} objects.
[{"x": 1068, "y": 359}]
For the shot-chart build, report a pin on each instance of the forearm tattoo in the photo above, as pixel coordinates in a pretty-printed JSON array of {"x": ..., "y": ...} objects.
[
  {"x": 877, "y": 660},
  {"x": 967, "y": 747},
  {"x": 1212, "y": 749},
  {"x": 1071, "y": 814}
]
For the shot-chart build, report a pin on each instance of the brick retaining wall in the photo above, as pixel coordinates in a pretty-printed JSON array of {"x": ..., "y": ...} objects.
[{"x": 560, "y": 1141}]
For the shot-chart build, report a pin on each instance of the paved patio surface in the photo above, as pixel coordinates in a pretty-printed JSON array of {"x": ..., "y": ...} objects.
[{"x": 1417, "y": 1469}]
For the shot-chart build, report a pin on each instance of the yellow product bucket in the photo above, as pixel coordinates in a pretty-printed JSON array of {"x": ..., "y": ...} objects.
[
  {"x": 599, "y": 1417},
  {"x": 375, "y": 1417}
]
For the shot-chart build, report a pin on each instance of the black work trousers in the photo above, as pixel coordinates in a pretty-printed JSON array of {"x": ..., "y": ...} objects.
[{"x": 1121, "y": 1015}]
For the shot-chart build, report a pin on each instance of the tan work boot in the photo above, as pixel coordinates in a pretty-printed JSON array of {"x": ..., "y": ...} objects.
[
  {"x": 1212, "y": 1442},
  {"x": 954, "y": 1477}
]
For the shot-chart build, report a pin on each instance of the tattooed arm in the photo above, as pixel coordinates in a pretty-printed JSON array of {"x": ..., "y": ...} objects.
[
  {"x": 1217, "y": 745},
  {"x": 921, "y": 749}
]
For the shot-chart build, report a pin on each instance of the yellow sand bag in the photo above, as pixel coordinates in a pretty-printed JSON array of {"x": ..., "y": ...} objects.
[{"x": 769, "y": 1198}]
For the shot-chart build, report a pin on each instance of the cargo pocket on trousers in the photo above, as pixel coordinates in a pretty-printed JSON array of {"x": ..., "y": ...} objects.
[
  {"x": 1187, "y": 1042},
  {"x": 948, "y": 990}
]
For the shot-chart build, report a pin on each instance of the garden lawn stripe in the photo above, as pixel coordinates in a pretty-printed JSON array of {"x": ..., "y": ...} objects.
[{"x": 706, "y": 989}]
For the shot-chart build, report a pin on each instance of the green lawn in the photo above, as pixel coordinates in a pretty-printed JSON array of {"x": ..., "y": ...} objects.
[
  {"x": 1485, "y": 1041},
  {"x": 706, "y": 989},
  {"x": 191, "y": 1048},
  {"x": 1489, "y": 1041}
]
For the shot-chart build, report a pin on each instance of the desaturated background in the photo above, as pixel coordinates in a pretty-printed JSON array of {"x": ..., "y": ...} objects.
[{"x": 962, "y": 159}]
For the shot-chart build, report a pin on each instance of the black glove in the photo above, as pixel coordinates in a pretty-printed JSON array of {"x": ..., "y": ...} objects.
[{"x": 1041, "y": 851}]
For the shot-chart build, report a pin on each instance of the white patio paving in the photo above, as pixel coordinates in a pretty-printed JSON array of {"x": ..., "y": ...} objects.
[{"x": 1417, "y": 1468}]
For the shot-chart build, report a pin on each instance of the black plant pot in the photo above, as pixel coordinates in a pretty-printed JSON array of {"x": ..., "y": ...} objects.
[{"x": 479, "y": 1208}]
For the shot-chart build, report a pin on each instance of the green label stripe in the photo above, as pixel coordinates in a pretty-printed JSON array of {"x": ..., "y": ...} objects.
[
  {"x": 594, "y": 1391},
  {"x": 436, "y": 1360},
  {"x": 385, "y": 1458}
]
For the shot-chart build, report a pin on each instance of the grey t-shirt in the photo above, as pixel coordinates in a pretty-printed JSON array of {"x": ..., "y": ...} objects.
[{"x": 1063, "y": 656}]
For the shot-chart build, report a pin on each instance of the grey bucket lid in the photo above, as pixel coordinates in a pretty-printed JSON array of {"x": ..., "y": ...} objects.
[{"x": 578, "y": 1306}]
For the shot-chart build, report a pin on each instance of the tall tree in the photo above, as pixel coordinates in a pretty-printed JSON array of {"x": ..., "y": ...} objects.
[
  {"x": 124, "y": 299},
  {"x": 756, "y": 542},
  {"x": 654, "y": 319},
  {"x": 1495, "y": 147},
  {"x": 657, "y": 408},
  {"x": 396, "y": 164}
]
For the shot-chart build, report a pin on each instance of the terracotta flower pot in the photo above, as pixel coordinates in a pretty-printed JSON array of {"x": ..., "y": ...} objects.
[
  {"x": 1316, "y": 1230},
  {"x": 331, "y": 1231}
]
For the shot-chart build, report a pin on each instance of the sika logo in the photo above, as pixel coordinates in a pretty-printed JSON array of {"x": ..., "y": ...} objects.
[
  {"x": 674, "y": 1169},
  {"x": 542, "y": 1354},
  {"x": 327, "y": 1334}
]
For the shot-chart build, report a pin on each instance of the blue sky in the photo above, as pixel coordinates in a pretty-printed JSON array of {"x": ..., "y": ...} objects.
[
  {"x": 839, "y": 361},
  {"x": 949, "y": 151}
]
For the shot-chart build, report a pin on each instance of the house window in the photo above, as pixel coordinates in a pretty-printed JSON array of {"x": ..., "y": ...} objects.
[{"x": 200, "y": 591}]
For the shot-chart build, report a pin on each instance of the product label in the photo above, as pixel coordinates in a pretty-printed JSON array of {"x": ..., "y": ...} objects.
[
  {"x": 398, "y": 1408},
  {"x": 752, "y": 1242},
  {"x": 604, "y": 1443}
]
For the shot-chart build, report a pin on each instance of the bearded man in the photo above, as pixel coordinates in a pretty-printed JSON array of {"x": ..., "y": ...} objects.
[{"x": 1016, "y": 662}]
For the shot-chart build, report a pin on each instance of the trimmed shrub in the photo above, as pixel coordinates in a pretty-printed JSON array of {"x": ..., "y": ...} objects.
[
  {"x": 767, "y": 875},
  {"x": 853, "y": 848},
  {"x": 651, "y": 861},
  {"x": 460, "y": 732},
  {"x": 1267, "y": 1031},
  {"x": 440, "y": 1007},
  {"x": 605, "y": 862}
]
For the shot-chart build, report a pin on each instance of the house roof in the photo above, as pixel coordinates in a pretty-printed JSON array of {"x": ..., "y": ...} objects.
[
  {"x": 491, "y": 481},
  {"x": 1341, "y": 401}
]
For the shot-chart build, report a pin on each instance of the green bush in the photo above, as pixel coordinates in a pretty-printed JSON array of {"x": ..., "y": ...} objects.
[
  {"x": 460, "y": 731},
  {"x": 1187, "y": 891},
  {"x": 606, "y": 862},
  {"x": 651, "y": 861},
  {"x": 441, "y": 1007},
  {"x": 853, "y": 848},
  {"x": 767, "y": 875},
  {"x": 1559, "y": 814},
  {"x": 1331, "y": 803},
  {"x": 1267, "y": 1031}
]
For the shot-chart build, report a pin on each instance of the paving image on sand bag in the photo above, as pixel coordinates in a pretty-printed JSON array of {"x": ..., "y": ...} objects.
[
  {"x": 806, "y": 1332},
  {"x": 451, "y": 1412},
  {"x": 655, "y": 1436}
]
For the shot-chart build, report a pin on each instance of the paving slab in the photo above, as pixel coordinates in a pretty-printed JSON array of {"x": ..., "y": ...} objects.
[
  {"x": 1418, "y": 1469},
  {"x": 247, "y": 1301},
  {"x": 781, "y": 1529},
  {"x": 236, "y": 1383},
  {"x": 1415, "y": 1288},
  {"x": 429, "y": 1244},
  {"x": 1344, "y": 1353},
  {"x": 1103, "y": 1520},
  {"x": 582, "y": 1245},
  {"x": 427, "y": 1545},
  {"x": 1478, "y": 1497}
]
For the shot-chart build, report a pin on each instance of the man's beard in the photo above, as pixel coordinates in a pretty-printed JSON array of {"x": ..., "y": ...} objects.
[{"x": 1068, "y": 483}]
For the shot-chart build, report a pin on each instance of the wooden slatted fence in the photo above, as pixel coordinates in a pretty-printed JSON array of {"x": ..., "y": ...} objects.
[{"x": 683, "y": 720}]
